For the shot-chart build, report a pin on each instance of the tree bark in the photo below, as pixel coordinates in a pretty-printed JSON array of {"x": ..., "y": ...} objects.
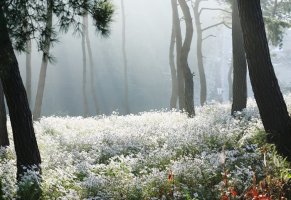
[
  {"x": 4, "y": 141},
  {"x": 203, "y": 85},
  {"x": 189, "y": 88},
  {"x": 84, "y": 84},
  {"x": 28, "y": 71},
  {"x": 239, "y": 64},
  {"x": 126, "y": 104},
  {"x": 92, "y": 79},
  {"x": 180, "y": 75},
  {"x": 44, "y": 63},
  {"x": 174, "y": 95},
  {"x": 26, "y": 148},
  {"x": 269, "y": 98}
]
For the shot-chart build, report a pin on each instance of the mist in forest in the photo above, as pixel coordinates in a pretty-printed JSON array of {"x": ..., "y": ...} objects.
[{"x": 148, "y": 32}]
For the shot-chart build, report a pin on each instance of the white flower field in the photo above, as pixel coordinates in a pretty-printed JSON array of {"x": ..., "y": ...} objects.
[{"x": 153, "y": 155}]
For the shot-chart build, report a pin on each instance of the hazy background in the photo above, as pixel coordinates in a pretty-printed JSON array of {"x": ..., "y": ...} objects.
[{"x": 148, "y": 29}]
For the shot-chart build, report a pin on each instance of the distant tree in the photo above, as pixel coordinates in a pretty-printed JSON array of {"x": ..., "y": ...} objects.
[
  {"x": 4, "y": 141},
  {"x": 28, "y": 61},
  {"x": 239, "y": 86},
  {"x": 202, "y": 78},
  {"x": 84, "y": 82},
  {"x": 199, "y": 50},
  {"x": 188, "y": 76},
  {"x": 229, "y": 79},
  {"x": 174, "y": 95},
  {"x": 124, "y": 55},
  {"x": 182, "y": 77},
  {"x": 179, "y": 67},
  {"x": 92, "y": 74},
  {"x": 269, "y": 98},
  {"x": 103, "y": 20},
  {"x": 28, "y": 70},
  {"x": 45, "y": 60},
  {"x": 68, "y": 13}
]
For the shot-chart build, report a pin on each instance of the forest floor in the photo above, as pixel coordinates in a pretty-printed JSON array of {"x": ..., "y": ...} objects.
[{"x": 153, "y": 155}]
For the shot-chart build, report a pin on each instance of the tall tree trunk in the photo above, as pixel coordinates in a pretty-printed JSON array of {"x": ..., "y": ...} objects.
[
  {"x": 203, "y": 85},
  {"x": 26, "y": 148},
  {"x": 28, "y": 71},
  {"x": 180, "y": 74},
  {"x": 126, "y": 105},
  {"x": 92, "y": 74},
  {"x": 189, "y": 88},
  {"x": 174, "y": 95},
  {"x": 239, "y": 64},
  {"x": 4, "y": 141},
  {"x": 269, "y": 98},
  {"x": 84, "y": 84},
  {"x": 44, "y": 63}
]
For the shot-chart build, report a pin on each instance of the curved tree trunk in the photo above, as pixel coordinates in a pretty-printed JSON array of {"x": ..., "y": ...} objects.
[
  {"x": 269, "y": 98},
  {"x": 4, "y": 141},
  {"x": 239, "y": 64},
  {"x": 189, "y": 88},
  {"x": 180, "y": 74},
  {"x": 84, "y": 84},
  {"x": 26, "y": 148},
  {"x": 28, "y": 71},
  {"x": 203, "y": 85},
  {"x": 92, "y": 74},
  {"x": 44, "y": 63},
  {"x": 126, "y": 105},
  {"x": 174, "y": 96}
]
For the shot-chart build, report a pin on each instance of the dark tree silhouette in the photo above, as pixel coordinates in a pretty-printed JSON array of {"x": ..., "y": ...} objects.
[
  {"x": 269, "y": 98},
  {"x": 26, "y": 148},
  {"x": 239, "y": 89}
]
